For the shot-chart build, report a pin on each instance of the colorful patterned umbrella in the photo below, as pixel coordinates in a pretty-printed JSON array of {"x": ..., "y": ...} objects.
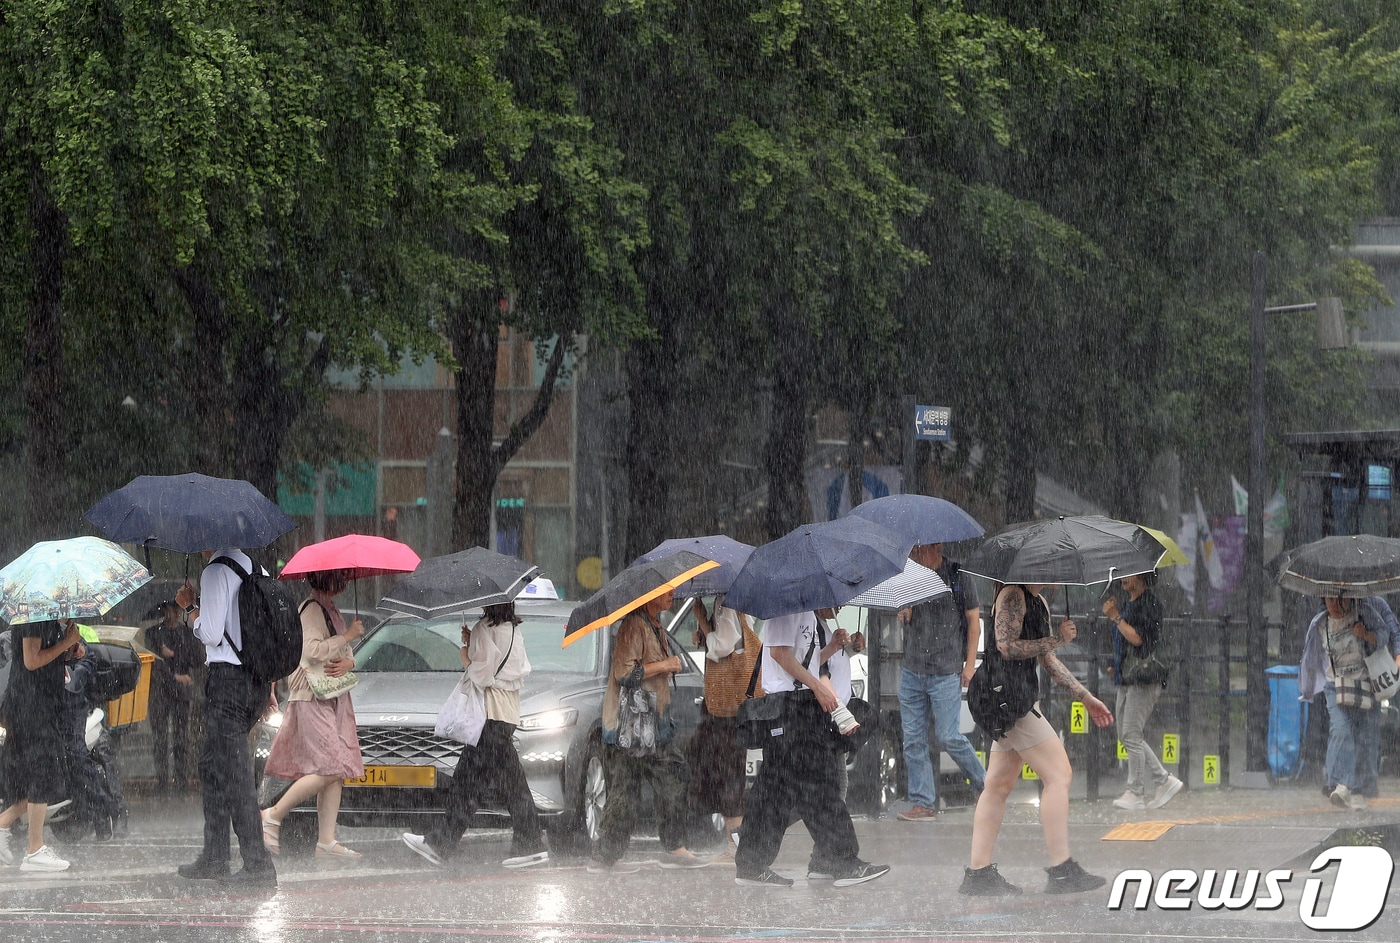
[{"x": 77, "y": 578}]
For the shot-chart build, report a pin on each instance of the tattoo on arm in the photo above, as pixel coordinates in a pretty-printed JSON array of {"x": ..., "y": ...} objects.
[
  {"x": 1011, "y": 616},
  {"x": 1062, "y": 676}
]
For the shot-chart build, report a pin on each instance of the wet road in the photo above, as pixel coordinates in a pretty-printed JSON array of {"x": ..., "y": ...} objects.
[{"x": 126, "y": 890}]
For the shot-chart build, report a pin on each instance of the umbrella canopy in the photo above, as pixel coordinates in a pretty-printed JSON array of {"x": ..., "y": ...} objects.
[
  {"x": 730, "y": 554},
  {"x": 920, "y": 517},
  {"x": 1075, "y": 551},
  {"x": 1174, "y": 556},
  {"x": 915, "y": 584},
  {"x": 1352, "y": 567},
  {"x": 633, "y": 587},
  {"x": 457, "y": 582},
  {"x": 189, "y": 513},
  {"x": 817, "y": 566},
  {"x": 78, "y": 578},
  {"x": 361, "y": 555}
]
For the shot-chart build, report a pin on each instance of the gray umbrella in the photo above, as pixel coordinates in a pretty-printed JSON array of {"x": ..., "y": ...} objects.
[
  {"x": 1353, "y": 567},
  {"x": 1074, "y": 551},
  {"x": 458, "y": 582}
]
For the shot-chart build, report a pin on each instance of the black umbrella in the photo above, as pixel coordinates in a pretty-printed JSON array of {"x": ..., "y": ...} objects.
[
  {"x": 730, "y": 554},
  {"x": 817, "y": 566},
  {"x": 1075, "y": 551},
  {"x": 189, "y": 513},
  {"x": 1352, "y": 567},
  {"x": 458, "y": 582},
  {"x": 634, "y": 586}
]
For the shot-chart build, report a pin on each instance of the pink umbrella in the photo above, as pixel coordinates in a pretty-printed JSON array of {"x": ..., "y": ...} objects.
[{"x": 360, "y": 554}]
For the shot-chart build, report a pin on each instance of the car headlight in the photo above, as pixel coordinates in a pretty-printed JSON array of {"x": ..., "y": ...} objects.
[
  {"x": 273, "y": 721},
  {"x": 550, "y": 720}
]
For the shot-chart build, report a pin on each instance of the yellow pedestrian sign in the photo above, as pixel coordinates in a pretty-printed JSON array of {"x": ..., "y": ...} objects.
[
  {"x": 1210, "y": 770},
  {"x": 1027, "y": 772},
  {"x": 1078, "y": 717},
  {"x": 1122, "y": 751},
  {"x": 982, "y": 758},
  {"x": 1169, "y": 747}
]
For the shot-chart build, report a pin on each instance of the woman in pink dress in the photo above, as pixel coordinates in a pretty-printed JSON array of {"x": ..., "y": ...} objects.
[{"x": 317, "y": 746}]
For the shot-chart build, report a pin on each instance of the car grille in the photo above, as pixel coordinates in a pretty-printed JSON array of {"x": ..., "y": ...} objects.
[{"x": 407, "y": 746}]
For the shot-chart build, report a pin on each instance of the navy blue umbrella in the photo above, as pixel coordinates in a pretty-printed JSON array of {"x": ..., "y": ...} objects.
[
  {"x": 817, "y": 566},
  {"x": 730, "y": 554},
  {"x": 920, "y": 517},
  {"x": 189, "y": 513}
]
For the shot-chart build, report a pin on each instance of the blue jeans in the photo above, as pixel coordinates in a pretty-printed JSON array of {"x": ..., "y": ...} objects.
[
  {"x": 940, "y": 695},
  {"x": 1353, "y": 746}
]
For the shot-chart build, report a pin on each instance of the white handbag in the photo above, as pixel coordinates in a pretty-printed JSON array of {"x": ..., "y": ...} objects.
[
  {"x": 463, "y": 714},
  {"x": 1385, "y": 680}
]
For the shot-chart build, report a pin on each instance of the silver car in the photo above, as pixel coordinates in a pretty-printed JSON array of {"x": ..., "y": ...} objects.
[{"x": 408, "y": 666}]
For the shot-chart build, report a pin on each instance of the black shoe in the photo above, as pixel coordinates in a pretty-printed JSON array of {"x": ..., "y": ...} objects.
[
  {"x": 201, "y": 870},
  {"x": 104, "y": 831},
  {"x": 120, "y": 826},
  {"x": 765, "y": 878},
  {"x": 859, "y": 874},
  {"x": 986, "y": 882},
  {"x": 261, "y": 878},
  {"x": 1069, "y": 878}
]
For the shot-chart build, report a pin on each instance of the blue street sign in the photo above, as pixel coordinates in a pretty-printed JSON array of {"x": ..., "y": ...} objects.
[{"x": 931, "y": 422}]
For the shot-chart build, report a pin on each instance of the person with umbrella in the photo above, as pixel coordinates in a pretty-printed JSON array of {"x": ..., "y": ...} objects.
[
  {"x": 1024, "y": 638},
  {"x": 33, "y": 759},
  {"x": 1138, "y": 626},
  {"x": 317, "y": 745},
  {"x": 233, "y": 702},
  {"x": 640, "y": 673},
  {"x": 494, "y": 658},
  {"x": 1333, "y": 664}
]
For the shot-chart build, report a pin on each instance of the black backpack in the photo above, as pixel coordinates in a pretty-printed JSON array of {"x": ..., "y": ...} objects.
[
  {"x": 1000, "y": 693},
  {"x": 267, "y": 614}
]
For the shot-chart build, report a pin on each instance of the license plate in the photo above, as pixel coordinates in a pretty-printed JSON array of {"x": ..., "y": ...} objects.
[{"x": 424, "y": 777}]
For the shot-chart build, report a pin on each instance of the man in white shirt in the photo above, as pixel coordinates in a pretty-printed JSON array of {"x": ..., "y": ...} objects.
[
  {"x": 799, "y": 761},
  {"x": 233, "y": 702}
]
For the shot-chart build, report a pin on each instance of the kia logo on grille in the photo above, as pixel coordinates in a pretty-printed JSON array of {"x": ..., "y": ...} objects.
[{"x": 392, "y": 718}]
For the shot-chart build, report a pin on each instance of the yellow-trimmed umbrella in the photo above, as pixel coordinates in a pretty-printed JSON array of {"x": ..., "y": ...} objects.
[
  {"x": 1173, "y": 555},
  {"x": 633, "y": 587}
]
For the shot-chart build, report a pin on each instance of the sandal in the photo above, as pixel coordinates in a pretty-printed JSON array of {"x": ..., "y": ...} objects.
[
  {"x": 272, "y": 832},
  {"x": 335, "y": 850}
]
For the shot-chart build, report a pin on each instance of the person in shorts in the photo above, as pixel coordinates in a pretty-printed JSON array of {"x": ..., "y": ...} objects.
[
  {"x": 33, "y": 714},
  {"x": 1024, "y": 637}
]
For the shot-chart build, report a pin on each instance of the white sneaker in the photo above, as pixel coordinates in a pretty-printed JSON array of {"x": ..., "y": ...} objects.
[
  {"x": 526, "y": 861},
  {"x": 7, "y": 857},
  {"x": 420, "y": 844},
  {"x": 1130, "y": 801},
  {"x": 43, "y": 860},
  {"x": 1165, "y": 792},
  {"x": 1357, "y": 802},
  {"x": 1341, "y": 797}
]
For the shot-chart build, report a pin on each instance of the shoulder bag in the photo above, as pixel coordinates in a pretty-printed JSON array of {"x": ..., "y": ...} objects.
[
  {"x": 758, "y": 717},
  {"x": 997, "y": 697},
  {"x": 1354, "y": 692},
  {"x": 1144, "y": 669},
  {"x": 325, "y": 688}
]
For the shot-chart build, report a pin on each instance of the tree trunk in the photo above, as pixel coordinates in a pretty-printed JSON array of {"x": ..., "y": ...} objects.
[
  {"x": 651, "y": 384},
  {"x": 474, "y": 333},
  {"x": 785, "y": 455},
  {"x": 206, "y": 376},
  {"x": 46, "y": 510}
]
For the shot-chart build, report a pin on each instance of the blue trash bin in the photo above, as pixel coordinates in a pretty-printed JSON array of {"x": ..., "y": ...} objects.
[{"x": 1288, "y": 719}]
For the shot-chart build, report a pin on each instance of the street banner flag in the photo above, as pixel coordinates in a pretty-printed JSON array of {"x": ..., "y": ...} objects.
[
  {"x": 1214, "y": 569},
  {"x": 1241, "y": 497}
]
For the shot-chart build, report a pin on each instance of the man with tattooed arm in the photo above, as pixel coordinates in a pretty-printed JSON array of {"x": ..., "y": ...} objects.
[{"x": 1024, "y": 638}]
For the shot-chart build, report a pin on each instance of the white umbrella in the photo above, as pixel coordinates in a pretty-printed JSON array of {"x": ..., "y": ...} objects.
[{"x": 915, "y": 584}]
